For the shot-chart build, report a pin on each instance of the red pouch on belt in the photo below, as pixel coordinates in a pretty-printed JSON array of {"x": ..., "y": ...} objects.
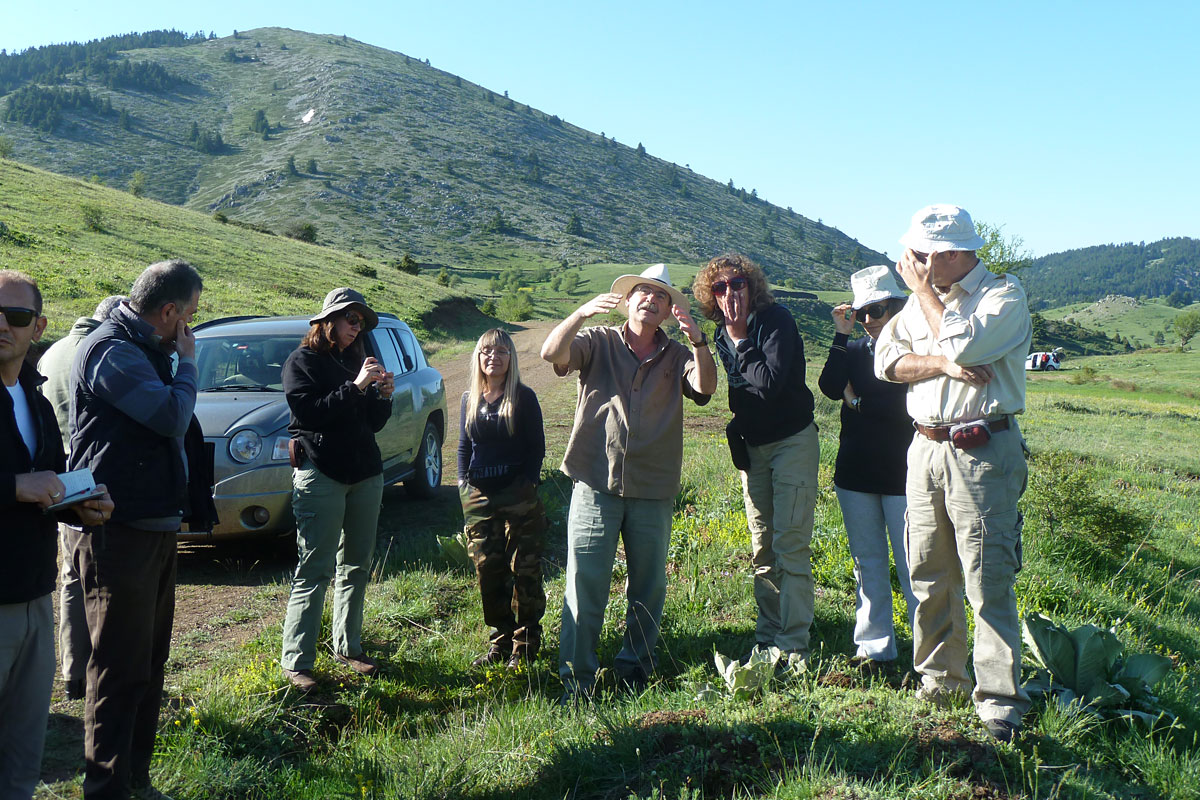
[{"x": 969, "y": 435}]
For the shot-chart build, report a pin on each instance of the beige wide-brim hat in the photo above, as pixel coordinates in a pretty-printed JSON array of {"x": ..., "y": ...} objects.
[
  {"x": 655, "y": 275},
  {"x": 344, "y": 298},
  {"x": 874, "y": 285},
  {"x": 941, "y": 227}
]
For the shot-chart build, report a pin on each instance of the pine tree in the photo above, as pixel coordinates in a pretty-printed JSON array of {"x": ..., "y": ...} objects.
[{"x": 574, "y": 225}]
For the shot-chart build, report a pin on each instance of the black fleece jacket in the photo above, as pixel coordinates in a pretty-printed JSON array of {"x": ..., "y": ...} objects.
[
  {"x": 767, "y": 393},
  {"x": 28, "y": 537},
  {"x": 335, "y": 422},
  {"x": 873, "y": 443}
]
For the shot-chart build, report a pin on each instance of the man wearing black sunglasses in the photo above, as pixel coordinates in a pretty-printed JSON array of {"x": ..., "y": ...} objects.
[
  {"x": 135, "y": 429},
  {"x": 960, "y": 344},
  {"x": 31, "y": 456}
]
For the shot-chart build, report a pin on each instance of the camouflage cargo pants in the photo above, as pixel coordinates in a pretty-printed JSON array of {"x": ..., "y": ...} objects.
[{"x": 506, "y": 531}]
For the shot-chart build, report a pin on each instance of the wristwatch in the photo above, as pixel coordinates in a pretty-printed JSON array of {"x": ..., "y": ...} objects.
[{"x": 703, "y": 340}]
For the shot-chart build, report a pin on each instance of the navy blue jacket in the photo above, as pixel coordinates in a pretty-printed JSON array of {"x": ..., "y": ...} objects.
[{"x": 134, "y": 427}]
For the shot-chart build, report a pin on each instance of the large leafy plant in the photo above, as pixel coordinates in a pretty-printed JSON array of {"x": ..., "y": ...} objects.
[
  {"x": 751, "y": 678},
  {"x": 1087, "y": 666},
  {"x": 454, "y": 548}
]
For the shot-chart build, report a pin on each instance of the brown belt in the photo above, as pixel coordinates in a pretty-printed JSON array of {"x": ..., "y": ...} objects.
[{"x": 941, "y": 433}]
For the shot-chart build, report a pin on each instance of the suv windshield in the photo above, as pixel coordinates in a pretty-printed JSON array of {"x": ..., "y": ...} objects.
[{"x": 243, "y": 363}]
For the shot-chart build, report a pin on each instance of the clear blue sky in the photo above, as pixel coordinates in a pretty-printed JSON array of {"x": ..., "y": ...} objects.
[{"x": 1070, "y": 124}]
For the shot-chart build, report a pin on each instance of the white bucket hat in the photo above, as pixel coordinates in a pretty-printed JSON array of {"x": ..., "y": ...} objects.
[
  {"x": 655, "y": 275},
  {"x": 941, "y": 227},
  {"x": 873, "y": 285}
]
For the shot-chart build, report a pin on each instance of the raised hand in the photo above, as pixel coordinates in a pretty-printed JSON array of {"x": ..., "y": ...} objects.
[
  {"x": 600, "y": 304},
  {"x": 843, "y": 318}
]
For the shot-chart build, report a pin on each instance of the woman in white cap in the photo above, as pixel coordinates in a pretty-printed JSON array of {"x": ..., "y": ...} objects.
[
  {"x": 339, "y": 398},
  {"x": 871, "y": 462}
]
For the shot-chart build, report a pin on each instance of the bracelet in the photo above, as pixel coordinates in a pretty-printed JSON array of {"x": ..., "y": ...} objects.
[{"x": 703, "y": 340}]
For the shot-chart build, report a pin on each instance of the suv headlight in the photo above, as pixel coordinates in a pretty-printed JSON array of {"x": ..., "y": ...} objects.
[{"x": 245, "y": 446}]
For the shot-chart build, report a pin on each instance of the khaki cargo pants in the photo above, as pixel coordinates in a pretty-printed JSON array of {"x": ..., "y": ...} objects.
[
  {"x": 963, "y": 534},
  {"x": 506, "y": 533}
]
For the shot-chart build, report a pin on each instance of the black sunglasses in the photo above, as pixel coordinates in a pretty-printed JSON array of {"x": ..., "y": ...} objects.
[
  {"x": 18, "y": 317},
  {"x": 353, "y": 318},
  {"x": 736, "y": 284},
  {"x": 876, "y": 311}
]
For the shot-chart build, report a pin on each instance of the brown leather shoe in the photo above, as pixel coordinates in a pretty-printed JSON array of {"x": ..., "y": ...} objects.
[
  {"x": 494, "y": 655},
  {"x": 361, "y": 663},
  {"x": 302, "y": 679}
]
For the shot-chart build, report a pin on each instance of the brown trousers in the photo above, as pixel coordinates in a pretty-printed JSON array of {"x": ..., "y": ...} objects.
[{"x": 129, "y": 598}]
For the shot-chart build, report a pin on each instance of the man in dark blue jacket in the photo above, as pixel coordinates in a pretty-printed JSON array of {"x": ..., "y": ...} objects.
[
  {"x": 135, "y": 429},
  {"x": 31, "y": 456}
]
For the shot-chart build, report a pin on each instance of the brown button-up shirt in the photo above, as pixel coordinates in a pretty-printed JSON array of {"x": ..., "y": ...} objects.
[{"x": 628, "y": 434}]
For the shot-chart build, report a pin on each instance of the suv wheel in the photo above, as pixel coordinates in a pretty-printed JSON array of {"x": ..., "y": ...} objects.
[{"x": 428, "y": 466}]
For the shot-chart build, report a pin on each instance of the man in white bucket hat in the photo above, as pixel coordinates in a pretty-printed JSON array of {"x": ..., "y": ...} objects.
[
  {"x": 960, "y": 344},
  {"x": 625, "y": 456}
]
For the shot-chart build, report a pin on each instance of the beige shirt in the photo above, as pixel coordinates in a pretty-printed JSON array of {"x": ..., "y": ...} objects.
[
  {"x": 628, "y": 434},
  {"x": 986, "y": 321}
]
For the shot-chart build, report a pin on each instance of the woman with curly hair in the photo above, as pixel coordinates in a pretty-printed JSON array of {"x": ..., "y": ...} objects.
[
  {"x": 501, "y": 445},
  {"x": 773, "y": 441}
]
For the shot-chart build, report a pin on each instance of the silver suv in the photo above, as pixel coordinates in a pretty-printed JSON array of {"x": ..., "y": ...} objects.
[{"x": 244, "y": 414}]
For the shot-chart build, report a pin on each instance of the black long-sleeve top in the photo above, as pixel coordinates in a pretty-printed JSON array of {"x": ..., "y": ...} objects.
[
  {"x": 873, "y": 444},
  {"x": 767, "y": 393},
  {"x": 488, "y": 456},
  {"x": 335, "y": 422}
]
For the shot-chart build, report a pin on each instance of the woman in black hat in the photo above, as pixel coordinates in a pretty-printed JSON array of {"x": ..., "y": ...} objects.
[{"x": 339, "y": 399}]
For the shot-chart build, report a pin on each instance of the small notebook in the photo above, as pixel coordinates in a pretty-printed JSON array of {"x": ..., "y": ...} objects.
[{"x": 78, "y": 485}]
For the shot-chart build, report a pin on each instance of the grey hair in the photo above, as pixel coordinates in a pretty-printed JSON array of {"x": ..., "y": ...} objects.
[
  {"x": 16, "y": 276},
  {"x": 175, "y": 281},
  {"x": 107, "y": 305}
]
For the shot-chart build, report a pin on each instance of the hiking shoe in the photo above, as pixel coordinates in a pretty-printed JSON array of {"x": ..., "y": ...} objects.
[
  {"x": 76, "y": 689},
  {"x": 148, "y": 792},
  {"x": 360, "y": 663},
  {"x": 494, "y": 655},
  {"x": 1001, "y": 729},
  {"x": 302, "y": 679},
  {"x": 635, "y": 681},
  {"x": 942, "y": 698},
  {"x": 869, "y": 666},
  {"x": 517, "y": 659}
]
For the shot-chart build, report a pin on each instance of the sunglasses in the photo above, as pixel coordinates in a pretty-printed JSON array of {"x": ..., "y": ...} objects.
[
  {"x": 18, "y": 317},
  {"x": 876, "y": 311},
  {"x": 736, "y": 284},
  {"x": 353, "y": 319}
]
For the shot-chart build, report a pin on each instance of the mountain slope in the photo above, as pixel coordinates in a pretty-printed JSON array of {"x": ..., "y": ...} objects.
[
  {"x": 43, "y": 232},
  {"x": 410, "y": 158}
]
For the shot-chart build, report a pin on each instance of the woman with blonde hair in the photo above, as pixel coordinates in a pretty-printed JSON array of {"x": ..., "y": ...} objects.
[{"x": 501, "y": 445}]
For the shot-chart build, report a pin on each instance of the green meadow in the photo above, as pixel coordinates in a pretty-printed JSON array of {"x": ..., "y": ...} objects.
[
  {"x": 431, "y": 726},
  {"x": 1112, "y": 537}
]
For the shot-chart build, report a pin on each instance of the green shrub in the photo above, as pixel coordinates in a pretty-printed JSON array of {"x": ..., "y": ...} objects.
[
  {"x": 92, "y": 216},
  {"x": 1066, "y": 517}
]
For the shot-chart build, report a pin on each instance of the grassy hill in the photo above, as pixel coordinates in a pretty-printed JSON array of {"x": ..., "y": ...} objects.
[
  {"x": 245, "y": 272},
  {"x": 1136, "y": 320},
  {"x": 409, "y": 158}
]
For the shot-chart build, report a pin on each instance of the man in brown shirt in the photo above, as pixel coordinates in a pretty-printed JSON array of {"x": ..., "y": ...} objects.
[{"x": 625, "y": 456}]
